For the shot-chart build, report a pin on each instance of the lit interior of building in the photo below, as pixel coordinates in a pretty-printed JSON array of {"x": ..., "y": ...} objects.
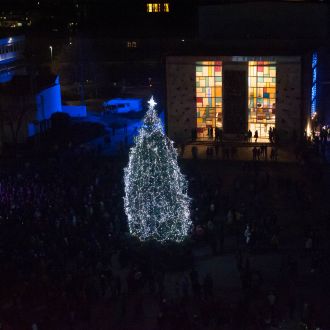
[{"x": 261, "y": 105}]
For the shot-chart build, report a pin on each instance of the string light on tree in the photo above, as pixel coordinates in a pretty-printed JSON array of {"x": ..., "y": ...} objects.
[{"x": 156, "y": 201}]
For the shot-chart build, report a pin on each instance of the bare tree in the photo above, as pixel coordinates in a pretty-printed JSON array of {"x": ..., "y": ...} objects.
[{"x": 16, "y": 110}]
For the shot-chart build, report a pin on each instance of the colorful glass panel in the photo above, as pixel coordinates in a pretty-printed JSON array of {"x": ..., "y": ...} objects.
[
  {"x": 208, "y": 97},
  {"x": 262, "y": 97}
]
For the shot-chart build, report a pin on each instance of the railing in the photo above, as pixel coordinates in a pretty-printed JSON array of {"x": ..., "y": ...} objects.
[{"x": 10, "y": 57}]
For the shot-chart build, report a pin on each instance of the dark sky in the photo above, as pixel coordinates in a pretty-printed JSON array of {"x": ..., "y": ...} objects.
[{"x": 130, "y": 3}]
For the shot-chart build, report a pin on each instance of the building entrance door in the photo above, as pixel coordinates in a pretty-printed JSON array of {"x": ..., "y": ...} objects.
[{"x": 234, "y": 102}]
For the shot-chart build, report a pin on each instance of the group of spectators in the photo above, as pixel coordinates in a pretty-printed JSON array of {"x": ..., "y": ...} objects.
[
  {"x": 65, "y": 262},
  {"x": 60, "y": 219},
  {"x": 264, "y": 211}
]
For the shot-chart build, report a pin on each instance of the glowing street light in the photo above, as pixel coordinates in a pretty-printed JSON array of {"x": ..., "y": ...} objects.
[{"x": 51, "y": 53}]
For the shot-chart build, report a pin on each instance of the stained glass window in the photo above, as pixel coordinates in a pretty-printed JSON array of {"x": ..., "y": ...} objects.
[
  {"x": 262, "y": 97},
  {"x": 208, "y": 97}
]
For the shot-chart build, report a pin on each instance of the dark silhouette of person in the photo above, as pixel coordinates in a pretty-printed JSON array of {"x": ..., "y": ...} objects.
[{"x": 256, "y": 135}]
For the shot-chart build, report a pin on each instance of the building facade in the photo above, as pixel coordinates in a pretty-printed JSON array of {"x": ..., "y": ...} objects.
[
  {"x": 11, "y": 49},
  {"x": 234, "y": 94},
  {"x": 11, "y": 53}
]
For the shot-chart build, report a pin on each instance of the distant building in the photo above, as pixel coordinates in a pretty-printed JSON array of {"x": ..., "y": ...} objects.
[
  {"x": 48, "y": 100},
  {"x": 11, "y": 56},
  {"x": 13, "y": 19},
  {"x": 11, "y": 49},
  {"x": 234, "y": 94},
  {"x": 158, "y": 7},
  {"x": 27, "y": 104}
]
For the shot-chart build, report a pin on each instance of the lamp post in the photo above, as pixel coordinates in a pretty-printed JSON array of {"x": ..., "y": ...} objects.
[{"x": 51, "y": 54}]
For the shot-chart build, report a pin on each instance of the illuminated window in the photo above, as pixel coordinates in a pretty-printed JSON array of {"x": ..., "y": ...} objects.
[
  {"x": 314, "y": 84},
  {"x": 208, "y": 97},
  {"x": 166, "y": 7},
  {"x": 149, "y": 7},
  {"x": 131, "y": 44},
  {"x": 158, "y": 7},
  {"x": 153, "y": 7},
  {"x": 262, "y": 97}
]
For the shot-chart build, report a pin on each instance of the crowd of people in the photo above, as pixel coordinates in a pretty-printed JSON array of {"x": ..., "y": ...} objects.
[
  {"x": 66, "y": 265},
  {"x": 59, "y": 223},
  {"x": 253, "y": 213}
]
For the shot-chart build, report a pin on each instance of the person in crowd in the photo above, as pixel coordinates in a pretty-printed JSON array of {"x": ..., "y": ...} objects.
[
  {"x": 254, "y": 153},
  {"x": 271, "y": 135},
  {"x": 194, "y": 152},
  {"x": 247, "y": 235},
  {"x": 208, "y": 286},
  {"x": 249, "y": 136},
  {"x": 256, "y": 135}
]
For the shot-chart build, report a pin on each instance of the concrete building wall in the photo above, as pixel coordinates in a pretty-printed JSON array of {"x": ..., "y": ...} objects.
[
  {"x": 181, "y": 98},
  {"x": 289, "y": 99}
]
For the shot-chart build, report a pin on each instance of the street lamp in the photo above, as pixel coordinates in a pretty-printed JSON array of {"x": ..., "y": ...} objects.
[{"x": 51, "y": 53}]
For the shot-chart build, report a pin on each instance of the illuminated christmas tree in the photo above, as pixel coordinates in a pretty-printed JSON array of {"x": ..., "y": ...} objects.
[{"x": 156, "y": 201}]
